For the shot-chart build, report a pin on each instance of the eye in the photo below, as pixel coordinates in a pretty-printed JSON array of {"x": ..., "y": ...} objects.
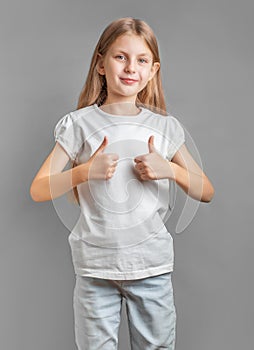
[
  {"x": 121, "y": 57},
  {"x": 143, "y": 60}
]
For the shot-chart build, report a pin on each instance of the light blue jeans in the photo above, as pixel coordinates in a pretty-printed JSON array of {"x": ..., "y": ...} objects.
[{"x": 150, "y": 312}]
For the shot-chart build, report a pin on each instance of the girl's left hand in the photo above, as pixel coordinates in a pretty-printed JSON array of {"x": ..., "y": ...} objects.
[{"x": 153, "y": 166}]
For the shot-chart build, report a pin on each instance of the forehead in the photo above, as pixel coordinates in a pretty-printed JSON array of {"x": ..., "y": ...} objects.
[{"x": 131, "y": 43}]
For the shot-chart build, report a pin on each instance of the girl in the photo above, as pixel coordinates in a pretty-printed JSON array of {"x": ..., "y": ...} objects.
[{"x": 126, "y": 151}]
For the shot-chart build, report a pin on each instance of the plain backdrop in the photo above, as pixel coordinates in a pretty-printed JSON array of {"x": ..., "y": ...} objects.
[{"x": 206, "y": 49}]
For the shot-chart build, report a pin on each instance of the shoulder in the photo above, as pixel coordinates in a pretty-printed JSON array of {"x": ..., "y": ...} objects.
[
  {"x": 74, "y": 117},
  {"x": 169, "y": 121},
  {"x": 174, "y": 122},
  {"x": 81, "y": 113}
]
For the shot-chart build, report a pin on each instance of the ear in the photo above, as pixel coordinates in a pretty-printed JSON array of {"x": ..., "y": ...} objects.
[
  {"x": 154, "y": 69},
  {"x": 100, "y": 65}
]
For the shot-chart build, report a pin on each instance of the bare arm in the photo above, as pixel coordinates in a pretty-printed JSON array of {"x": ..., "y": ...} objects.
[
  {"x": 190, "y": 177},
  {"x": 50, "y": 182},
  {"x": 182, "y": 169}
]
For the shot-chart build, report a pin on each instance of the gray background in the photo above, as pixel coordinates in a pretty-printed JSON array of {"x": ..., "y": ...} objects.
[{"x": 207, "y": 63}]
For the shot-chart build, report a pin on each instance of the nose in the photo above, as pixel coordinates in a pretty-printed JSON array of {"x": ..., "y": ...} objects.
[{"x": 130, "y": 66}]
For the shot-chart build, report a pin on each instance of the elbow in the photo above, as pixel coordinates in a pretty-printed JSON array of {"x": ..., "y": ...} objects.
[
  {"x": 209, "y": 194},
  {"x": 208, "y": 190},
  {"x": 35, "y": 193},
  {"x": 208, "y": 198}
]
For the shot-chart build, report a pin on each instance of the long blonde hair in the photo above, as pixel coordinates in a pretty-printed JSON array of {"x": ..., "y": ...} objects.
[{"x": 95, "y": 87}]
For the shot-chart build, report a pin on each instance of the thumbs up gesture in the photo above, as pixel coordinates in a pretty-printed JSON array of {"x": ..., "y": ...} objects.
[
  {"x": 152, "y": 166},
  {"x": 102, "y": 165}
]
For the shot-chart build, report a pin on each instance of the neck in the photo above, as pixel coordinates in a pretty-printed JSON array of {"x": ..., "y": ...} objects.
[{"x": 119, "y": 108}]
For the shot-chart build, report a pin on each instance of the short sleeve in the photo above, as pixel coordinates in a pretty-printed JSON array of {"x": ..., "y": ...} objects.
[
  {"x": 176, "y": 136},
  {"x": 68, "y": 134}
]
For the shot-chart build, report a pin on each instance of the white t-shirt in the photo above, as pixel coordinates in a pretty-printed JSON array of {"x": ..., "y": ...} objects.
[{"x": 120, "y": 233}]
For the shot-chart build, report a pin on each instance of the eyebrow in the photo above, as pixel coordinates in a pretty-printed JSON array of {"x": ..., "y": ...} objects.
[{"x": 140, "y": 54}]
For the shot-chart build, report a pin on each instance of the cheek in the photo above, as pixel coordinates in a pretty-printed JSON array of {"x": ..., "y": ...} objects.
[
  {"x": 145, "y": 75},
  {"x": 111, "y": 72}
]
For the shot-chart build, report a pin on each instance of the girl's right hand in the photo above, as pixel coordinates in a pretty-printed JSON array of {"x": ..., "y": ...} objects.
[{"x": 101, "y": 166}]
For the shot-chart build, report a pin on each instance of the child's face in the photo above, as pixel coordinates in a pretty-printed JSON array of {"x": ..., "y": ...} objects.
[{"x": 128, "y": 57}]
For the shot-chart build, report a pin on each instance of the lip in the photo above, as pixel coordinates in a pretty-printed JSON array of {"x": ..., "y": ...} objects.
[{"x": 128, "y": 81}]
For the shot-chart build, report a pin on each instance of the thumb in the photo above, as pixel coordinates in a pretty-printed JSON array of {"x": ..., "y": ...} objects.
[
  {"x": 151, "y": 144},
  {"x": 102, "y": 146}
]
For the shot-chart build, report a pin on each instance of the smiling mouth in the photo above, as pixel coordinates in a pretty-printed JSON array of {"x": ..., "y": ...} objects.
[{"x": 128, "y": 81}]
